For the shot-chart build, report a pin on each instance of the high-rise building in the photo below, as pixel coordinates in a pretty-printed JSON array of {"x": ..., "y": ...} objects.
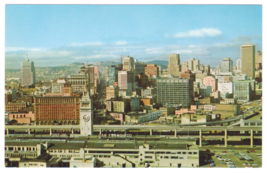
[
  {"x": 238, "y": 64},
  {"x": 128, "y": 63},
  {"x": 210, "y": 81},
  {"x": 112, "y": 73},
  {"x": 244, "y": 90},
  {"x": 174, "y": 66},
  {"x": 248, "y": 60},
  {"x": 125, "y": 80},
  {"x": 139, "y": 68},
  {"x": 185, "y": 66},
  {"x": 226, "y": 65},
  {"x": 112, "y": 92},
  {"x": 81, "y": 81},
  {"x": 258, "y": 57},
  {"x": 207, "y": 69},
  {"x": 193, "y": 64},
  {"x": 142, "y": 80},
  {"x": 27, "y": 72},
  {"x": 174, "y": 91}
]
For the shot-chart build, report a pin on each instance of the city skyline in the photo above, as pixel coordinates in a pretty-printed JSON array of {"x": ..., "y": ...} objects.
[{"x": 63, "y": 34}]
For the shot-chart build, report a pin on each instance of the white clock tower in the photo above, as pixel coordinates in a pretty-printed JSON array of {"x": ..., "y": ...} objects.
[{"x": 86, "y": 115}]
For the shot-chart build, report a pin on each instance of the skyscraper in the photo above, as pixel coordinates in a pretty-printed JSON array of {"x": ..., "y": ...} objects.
[
  {"x": 174, "y": 66},
  {"x": 128, "y": 63},
  {"x": 125, "y": 80},
  {"x": 248, "y": 60},
  {"x": 239, "y": 64},
  {"x": 227, "y": 65},
  {"x": 193, "y": 64},
  {"x": 27, "y": 72},
  {"x": 175, "y": 91}
]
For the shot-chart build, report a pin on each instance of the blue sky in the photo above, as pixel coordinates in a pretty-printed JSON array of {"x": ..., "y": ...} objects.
[{"x": 54, "y": 35}]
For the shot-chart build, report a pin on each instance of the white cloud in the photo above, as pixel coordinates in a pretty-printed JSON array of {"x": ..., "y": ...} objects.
[
  {"x": 86, "y": 44},
  {"x": 192, "y": 46},
  {"x": 153, "y": 50},
  {"x": 121, "y": 43},
  {"x": 12, "y": 49},
  {"x": 204, "y": 32}
]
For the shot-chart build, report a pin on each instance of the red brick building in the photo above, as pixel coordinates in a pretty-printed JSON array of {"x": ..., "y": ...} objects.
[
  {"x": 188, "y": 75},
  {"x": 151, "y": 69},
  {"x": 61, "y": 109},
  {"x": 14, "y": 107}
]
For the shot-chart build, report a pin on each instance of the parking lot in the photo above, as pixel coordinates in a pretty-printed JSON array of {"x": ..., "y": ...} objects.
[{"x": 236, "y": 162}]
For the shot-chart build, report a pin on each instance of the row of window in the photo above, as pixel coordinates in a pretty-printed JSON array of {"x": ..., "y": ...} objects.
[
  {"x": 160, "y": 152},
  {"x": 21, "y": 148}
]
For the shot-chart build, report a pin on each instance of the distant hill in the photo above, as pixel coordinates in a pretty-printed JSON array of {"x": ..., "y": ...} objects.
[
  {"x": 76, "y": 63},
  {"x": 162, "y": 63}
]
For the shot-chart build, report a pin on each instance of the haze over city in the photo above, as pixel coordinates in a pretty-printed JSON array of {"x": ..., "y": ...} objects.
[{"x": 64, "y": 34}]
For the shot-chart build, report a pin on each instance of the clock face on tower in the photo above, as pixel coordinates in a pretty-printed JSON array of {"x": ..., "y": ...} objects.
[{"x": 86, "y": 118}]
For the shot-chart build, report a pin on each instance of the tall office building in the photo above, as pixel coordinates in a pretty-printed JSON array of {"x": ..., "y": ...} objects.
[
  {"x": 112, "y": 73},
  {"x": 125, "y": 80},
  {"x": 128, "y": 63},
  {"x": 227, "y": 65},
  {"x": 174, "y": 66},
  {"x": 175, "y": 91},
  {"x": 258, "y": 57},
  {"x": 193, "y": 64},
  {"x": 248, "y": 60},
  {"x": 238, "y": 64},
  {"x": 81, "y": 81},
  {"x": 27, "y": 72},
  {"x": 207, "y": 69},
  {"x": 244, "y": 90}
]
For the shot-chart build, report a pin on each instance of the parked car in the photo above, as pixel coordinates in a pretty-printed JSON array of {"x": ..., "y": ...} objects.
[
  {"x": 231, "y": 150},
  {"x": 222, "y": 162},
  {"x": 252, "y": 150},
  {"x": 231, "y": 166},
  {"x": 212, "y": 164}
]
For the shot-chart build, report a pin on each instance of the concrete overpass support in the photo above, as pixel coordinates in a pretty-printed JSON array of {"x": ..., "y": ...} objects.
[
  {"x": 72, "y": 131},
  {"x": 7, "y": 131},
  {"x": 151, "y": 132},
  {"x": 29, "y": 131},
  {"x": 225, "y": 138},
  {"x": 175, "y": 133},
  {"x": 251, "y": 138},
  {"x": 200, "y": 138},
  {"x": 51, "y": 132},
  {"x": 100, "y": 132}
]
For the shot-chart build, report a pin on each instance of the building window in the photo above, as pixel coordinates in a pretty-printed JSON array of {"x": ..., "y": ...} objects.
[{"x": 148, "y": 157}]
